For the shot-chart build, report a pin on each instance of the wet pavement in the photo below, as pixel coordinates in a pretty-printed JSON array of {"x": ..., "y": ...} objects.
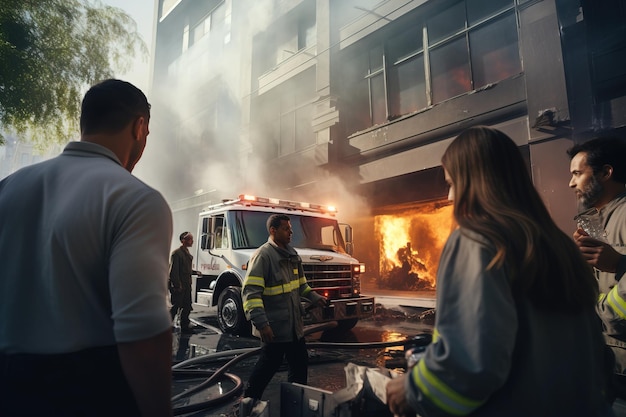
[{"x": 211, "y": 350}]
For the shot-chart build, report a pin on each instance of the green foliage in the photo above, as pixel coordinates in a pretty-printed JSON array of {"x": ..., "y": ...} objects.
[{"x": 50, "y": 52}]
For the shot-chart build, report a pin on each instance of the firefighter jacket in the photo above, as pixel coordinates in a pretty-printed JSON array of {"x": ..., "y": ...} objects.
[
  {"x": 612, "y": 302},
  {"x": 494, "y": 355},
  {"x": 181, "y": 268},
  {"x": 272, "y": 289}
]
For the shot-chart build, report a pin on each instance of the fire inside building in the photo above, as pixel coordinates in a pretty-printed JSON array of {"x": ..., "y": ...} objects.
[
  {"x": 410, "y": 242},
  {"x": 354, "y": 101}
]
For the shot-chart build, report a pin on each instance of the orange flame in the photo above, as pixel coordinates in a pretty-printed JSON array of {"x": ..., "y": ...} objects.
[{"x": 410, "y": 245}]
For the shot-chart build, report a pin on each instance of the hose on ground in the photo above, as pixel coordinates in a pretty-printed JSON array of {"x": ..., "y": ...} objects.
[
  {"x": 216, "y": 374},
  {"x": 241, "y": 354},
  {"x": 213, "y": 401}
]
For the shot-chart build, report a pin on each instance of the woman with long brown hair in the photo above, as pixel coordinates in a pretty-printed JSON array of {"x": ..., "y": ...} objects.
[{"x": 516, "y": 332}]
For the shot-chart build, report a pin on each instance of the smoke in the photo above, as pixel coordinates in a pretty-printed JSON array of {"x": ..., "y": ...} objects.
[
  {"x": 195, "y": 141},
  {"x": 203, "y": 140}
]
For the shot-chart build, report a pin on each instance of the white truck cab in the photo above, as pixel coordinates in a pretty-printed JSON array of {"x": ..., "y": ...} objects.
[{"x": 230, "y": 232}]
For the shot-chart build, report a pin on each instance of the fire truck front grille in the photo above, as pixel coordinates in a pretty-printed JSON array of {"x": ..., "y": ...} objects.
[{"x": 333, "y": 281}]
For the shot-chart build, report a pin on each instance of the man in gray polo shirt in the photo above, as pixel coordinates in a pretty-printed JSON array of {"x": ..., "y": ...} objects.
[{"x": 84, "y": 245}]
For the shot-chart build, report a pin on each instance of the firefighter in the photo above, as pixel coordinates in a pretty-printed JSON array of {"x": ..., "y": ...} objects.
[
  {"x": 272, "y": 289},
  {"x": 516, "y": 332},
  {"x": 180, "y": 282}
]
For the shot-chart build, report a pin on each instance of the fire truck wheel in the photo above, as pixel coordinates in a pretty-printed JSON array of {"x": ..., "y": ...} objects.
[
  {"x": 230, "y": 314},
  {"x": 346, "y": 324}
]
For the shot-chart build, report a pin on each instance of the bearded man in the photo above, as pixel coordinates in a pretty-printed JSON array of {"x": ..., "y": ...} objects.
[{"x": 598, "y": 170}]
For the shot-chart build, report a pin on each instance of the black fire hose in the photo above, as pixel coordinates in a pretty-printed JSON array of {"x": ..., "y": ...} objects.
[
  {"x": 210, "y": 380},
  {"x": 241, "y": 354},
  {"x": 212, "y": 402}
]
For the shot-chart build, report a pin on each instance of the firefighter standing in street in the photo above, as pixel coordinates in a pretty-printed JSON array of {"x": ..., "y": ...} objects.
[
  {"x": 272, "y": 289},
  {"x": 598, "y": 170},
  {"x": 180, "y": 282}
]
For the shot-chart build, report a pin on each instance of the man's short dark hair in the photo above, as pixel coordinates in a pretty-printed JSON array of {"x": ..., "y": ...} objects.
[
  {"x": 275, "y": 219},
  {"x": 109, "y": 106},
  {"x": 604, "y": 151},
  {"x": 183, "y": 235}
]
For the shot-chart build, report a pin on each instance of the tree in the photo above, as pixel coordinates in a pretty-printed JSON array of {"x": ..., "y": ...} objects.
[{"x": 50, "y": 52}]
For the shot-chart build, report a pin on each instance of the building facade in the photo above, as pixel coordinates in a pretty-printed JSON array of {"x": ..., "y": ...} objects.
[{"x": 354, "y": 102}]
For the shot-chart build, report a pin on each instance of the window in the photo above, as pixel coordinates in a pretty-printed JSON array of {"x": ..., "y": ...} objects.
[
  {"x": 287, "y": 36},
  {"x": 221, "y": 233},
  {"x": 364, "y": 88},
  {"x": 478, "y": 10},
  {"x": 202, "y": 29},
  {"x": 283, "y": 117},
  {"x": 377, "y": 95},
  {"x": 296, "y": 130},
  {"x": 204, "y": 237},
  {"x": 355, "y": 95},
  {"x": 250, "y": 231},
  {"x": 307, "y": 33},
  {"x": 431, "y": 58},
  {"x": 406, "y": 78},
  {"x": 446, "y": 23},
  {"x": 449, "y": 65},
  {"x": 606, "y": 36},
  {"x": 495, "y": 52},
  {"x": 209, "y": 23}
]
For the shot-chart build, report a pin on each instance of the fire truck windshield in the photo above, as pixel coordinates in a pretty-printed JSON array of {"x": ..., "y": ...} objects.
[{"x": 249, "y": 231}]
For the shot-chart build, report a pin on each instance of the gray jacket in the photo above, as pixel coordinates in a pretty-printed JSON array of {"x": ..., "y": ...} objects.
[
  {"x": 612, "y": 303},
  {"x": 493, "y": 355}
]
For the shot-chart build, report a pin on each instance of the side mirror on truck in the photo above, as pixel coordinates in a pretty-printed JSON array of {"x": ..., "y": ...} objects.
[{"x": 348, "y": 234}]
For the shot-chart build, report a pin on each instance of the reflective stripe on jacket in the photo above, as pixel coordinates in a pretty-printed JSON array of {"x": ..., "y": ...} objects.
[
  {"x": 272, "y": 289},
  {"x": 495, "y": 355},
  {"x": 612, "y": 302}
]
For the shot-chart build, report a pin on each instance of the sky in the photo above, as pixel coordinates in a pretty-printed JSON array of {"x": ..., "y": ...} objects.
[{"x": 143, "y": 13}]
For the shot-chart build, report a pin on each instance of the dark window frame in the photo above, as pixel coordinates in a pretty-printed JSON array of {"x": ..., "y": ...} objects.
[{"x": 391, "y": 62}]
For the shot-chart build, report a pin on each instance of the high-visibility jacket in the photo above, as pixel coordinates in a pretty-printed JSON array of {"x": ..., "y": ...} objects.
[
  {"x": 612, "y": 302},
  {"x": 493, "y": 355},
  {"x": 272, "y": 289}
]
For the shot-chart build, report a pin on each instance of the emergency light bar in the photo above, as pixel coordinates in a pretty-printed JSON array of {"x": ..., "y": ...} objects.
[{"x": 287, "y": 204}]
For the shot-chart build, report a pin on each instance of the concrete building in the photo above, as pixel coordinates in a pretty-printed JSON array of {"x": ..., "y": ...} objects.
[{"x": 354, "y": 102}]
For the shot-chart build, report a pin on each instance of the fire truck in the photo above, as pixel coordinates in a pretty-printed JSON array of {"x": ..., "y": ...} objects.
[{"x": 231, "y": 231}]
